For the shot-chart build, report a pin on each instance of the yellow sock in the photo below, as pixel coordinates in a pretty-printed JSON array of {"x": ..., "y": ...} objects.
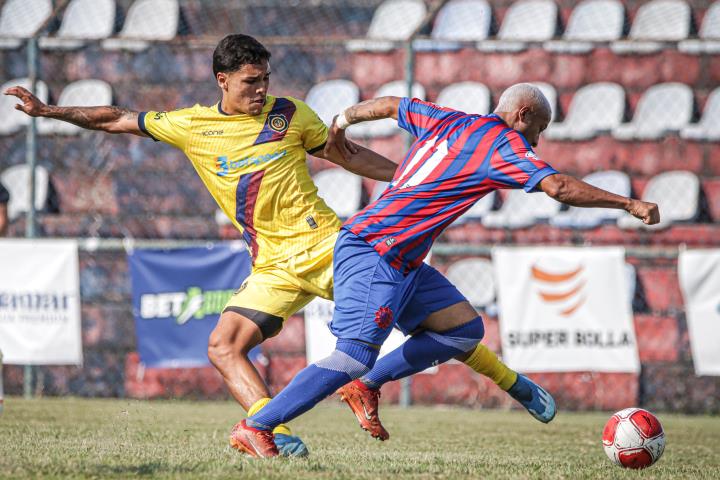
[
  {"x": 257, "y": 406},
  {"x": 485, "y": 362}
]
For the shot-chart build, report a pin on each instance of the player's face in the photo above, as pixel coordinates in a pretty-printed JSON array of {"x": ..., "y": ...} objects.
[
  {"x": 531, "y": 124},
  {"x": 244, "y": 90}
]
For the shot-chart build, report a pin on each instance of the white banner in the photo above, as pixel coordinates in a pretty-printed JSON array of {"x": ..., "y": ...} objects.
[
  {"x": 565, "y": 309},
  {"x": 40, "y": 302},
  {"x": 699, "y": 272},
  {"x": 320, "y": 342}
]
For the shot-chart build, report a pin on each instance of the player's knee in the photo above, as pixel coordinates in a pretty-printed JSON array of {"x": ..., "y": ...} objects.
[
  {"x": 219, "y": 348},
  {"x": 465, "y": 337}
]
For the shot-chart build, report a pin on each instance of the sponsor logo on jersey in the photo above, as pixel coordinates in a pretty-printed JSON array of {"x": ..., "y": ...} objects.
[
  {"x": 390, "y": 241},
  {"x": 213, "y": 133},
  {"x": 224, "y": 165},
  {"x": 532, "y": 155},
  {"x": 311, "y": 221}
]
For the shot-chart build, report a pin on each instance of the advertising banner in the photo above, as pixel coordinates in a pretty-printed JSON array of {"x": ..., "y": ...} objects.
[
  {"x": 177, "y": 298},
  {"x": 40, "y": 302},
  {"x": 699, "y": 272},
  {"x": 565, "y": 309}
]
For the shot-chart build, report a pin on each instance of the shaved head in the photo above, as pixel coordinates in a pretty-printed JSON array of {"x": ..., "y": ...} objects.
[{"x": 524, "y": 108}]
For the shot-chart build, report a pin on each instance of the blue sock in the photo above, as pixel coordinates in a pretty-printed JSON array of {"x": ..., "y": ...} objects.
[
  {"x": 350, "y": 360},
  {"x": 424, "y": 350}
]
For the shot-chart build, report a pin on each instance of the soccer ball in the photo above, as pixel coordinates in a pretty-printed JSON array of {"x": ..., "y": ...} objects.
[{"x": 633, "y": 438}]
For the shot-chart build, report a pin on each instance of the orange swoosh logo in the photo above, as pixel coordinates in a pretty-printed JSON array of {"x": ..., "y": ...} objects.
[
  {"x": 553, "y": 277},
  {"x": 569, "y": 311},
  {"x": 557, "y": 297}
]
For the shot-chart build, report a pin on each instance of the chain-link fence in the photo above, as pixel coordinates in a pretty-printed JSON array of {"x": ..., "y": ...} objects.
[{"x": 632, "y": 85}]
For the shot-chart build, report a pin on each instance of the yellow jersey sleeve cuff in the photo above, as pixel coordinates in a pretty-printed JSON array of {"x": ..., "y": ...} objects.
[
  {"x": 316, "y": 149},
  {"x": 143, "y": 128}
]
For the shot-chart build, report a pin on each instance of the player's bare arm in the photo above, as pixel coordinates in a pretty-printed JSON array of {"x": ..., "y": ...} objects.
[
  {"x": 360, "y": 160},
  {"x": 571, "y": 191},
  {"x": 109, "y": 119}
]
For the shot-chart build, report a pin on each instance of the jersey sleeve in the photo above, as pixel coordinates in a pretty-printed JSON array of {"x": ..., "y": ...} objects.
[
  {"x": 515, "y": 165},
  {"x": 168, "y": 127},
  {"x": 313, "y": 131},
  {"x": 417, "y": 117}
]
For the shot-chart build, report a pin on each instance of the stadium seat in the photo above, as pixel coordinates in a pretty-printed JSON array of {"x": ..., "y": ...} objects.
[
  {"x": 525, "y": 21},
  {"x": 341, "y": 190},
  {"x": 676, "y": 193},
  {"x": 551, "y": 95},
  {"x": 83, "y": 93},
  {"x": 17, "y": 180},
  {"x": 479, "y": 210},
  {"x": 709, "y": 41},
  {"x": 146, "y": 21},
  {"x": 475, "y": 279},
  {"x": 83, "y": 20},
  {"x": 20, "y": 19},
  {"x": 387, "y": 126},
  {"x": 577, "y": 217},
  {"x": 591, "y": 21},
  {"x": 656, "y": 22},
  {"x": 13, "y": 120},
  {"x": 458, "y": 21},
  {"x": 596, "y": 108},
  {"x": 394, "y": 20},
  {"x": 521, "y": 210},
  {"x": 332, "y": 97},
  {"x": 468, "y": 97},
  {"x": 708, "y": 128},
  {"x": 663, "y": 108},
  {"x": 378, "y": 190}
]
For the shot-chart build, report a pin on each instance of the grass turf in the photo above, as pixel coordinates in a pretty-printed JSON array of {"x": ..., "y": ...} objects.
[{"x": 83, "y": 438}]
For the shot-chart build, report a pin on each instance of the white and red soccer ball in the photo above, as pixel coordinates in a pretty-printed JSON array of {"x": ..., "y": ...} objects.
[{"x": 633, "y": 438}]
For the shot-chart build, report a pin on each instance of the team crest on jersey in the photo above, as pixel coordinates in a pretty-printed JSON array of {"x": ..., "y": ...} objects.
[
  {"x": 384, "y": 317},
  {"x": 278, "y": 123}
]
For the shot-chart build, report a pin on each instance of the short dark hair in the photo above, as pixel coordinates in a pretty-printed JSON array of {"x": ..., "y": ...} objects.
[{"x": 237, "y": 50}]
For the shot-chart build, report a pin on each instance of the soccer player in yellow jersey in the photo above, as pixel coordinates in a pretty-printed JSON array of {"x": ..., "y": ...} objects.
[{"x": 249, "y": 149}]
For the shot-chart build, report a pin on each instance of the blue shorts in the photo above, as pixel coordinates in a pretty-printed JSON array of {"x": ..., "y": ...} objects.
[{"x": 371, "y": 297}]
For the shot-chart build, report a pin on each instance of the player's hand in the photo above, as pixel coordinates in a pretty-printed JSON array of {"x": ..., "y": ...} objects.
[
  {"x": 646, "y": 211},
  {"x": 30, "y": 103},
  {"x": 337, "y": 140}
]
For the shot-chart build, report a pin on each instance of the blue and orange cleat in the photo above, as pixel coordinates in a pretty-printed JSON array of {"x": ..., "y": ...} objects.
[
  {"x": 290, "y": 446},
  {"x": 363, "y": 401},
  {"x": 253, "y": 441},
  {"x": 538, "y": 402}
]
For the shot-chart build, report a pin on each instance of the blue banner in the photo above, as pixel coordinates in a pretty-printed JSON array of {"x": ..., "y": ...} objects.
[{"x": 177, "y": 298}]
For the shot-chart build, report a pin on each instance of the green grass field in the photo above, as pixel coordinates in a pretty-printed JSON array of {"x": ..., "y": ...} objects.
[{"x": 80, "y": 438}]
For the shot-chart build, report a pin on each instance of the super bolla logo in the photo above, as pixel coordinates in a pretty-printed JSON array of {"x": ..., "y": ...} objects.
[{"x": 183, "y": 306}]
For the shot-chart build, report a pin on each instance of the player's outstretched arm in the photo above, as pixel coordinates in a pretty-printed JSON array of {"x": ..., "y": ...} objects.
[
  {"x": 109, "y": 118},
  {"x": 571, "y": 191}
]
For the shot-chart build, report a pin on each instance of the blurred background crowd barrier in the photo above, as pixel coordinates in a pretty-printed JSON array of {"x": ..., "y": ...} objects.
[{"x": 634, "y": 88}]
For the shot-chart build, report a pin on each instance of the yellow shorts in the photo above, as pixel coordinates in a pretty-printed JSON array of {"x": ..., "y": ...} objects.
[{"x": 285, "y": 287}]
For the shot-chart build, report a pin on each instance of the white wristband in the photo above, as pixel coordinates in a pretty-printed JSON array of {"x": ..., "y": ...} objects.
[{"x": 341, "y": 121}]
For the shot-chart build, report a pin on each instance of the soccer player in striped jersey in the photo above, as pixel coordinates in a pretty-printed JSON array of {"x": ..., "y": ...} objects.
[
  {"x": 381, "y": 281},
  {"x": 249, "y": 149}
]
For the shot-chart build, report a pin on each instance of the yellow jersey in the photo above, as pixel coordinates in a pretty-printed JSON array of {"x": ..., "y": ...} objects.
[{"x": 255, "y": 168}]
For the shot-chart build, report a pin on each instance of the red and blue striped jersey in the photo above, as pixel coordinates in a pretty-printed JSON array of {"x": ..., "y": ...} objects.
[{"x": 457, "y": 159}]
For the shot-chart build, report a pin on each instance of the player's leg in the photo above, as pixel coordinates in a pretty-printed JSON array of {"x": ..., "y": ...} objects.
[{"x": 368, "y": 293}]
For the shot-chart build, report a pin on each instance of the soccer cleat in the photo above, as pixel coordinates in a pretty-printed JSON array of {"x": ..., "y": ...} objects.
[
  {"x": 363, "y": 401},
  {"x": 253, "y": 441},
  {"x": 539, "y": 403},
  {"x": 290, "y": 446}
]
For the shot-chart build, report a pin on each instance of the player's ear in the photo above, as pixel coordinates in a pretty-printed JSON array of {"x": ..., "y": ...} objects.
[
  {"x": 526, "y": 114},
  {"x": 222, "y": 80}
]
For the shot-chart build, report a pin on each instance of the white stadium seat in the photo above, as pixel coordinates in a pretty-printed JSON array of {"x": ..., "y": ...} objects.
[
  {"x": 387, "y": 126},
  {"x": 596, "y": 108},
  {"x": 17, "y": 181},
  {"x": 146, "y": 21},
  {"x": 20, "y": 19},
  {"x": 656, "y": 22},
  {"x": 677, "y": 195},
  {"x": 341, "y": 190},
  {"x": 458, "y": 21},
  {"x": 577, "y": 217},
  {"x": 709, "y": 41},
  {"x": 83, "y": 20},
  {"x": 521, "y": 210},
  {"x": 525, "y": 21},
  {"x": 708, "y": 128},
  {"x": 663, "y": 108},
  {"x": 468, "y": 97},
  {"x": 475, "y": 279},
  {"x": 83, "y": 93},
  {"x": 591, "y": 21},
  {"x": 481, "y": 208},
  {"x": 13, "y": 120},
  {"x": 551, "y": 95},
  {"x": 331, "y": 97},
  {"x": 394, "y": 20}
]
